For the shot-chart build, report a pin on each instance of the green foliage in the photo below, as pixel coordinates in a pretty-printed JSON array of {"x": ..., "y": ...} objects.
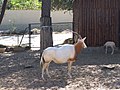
[
  {"x": 1, "y": 4},
  {"x": 62, "y": 4},
  {"x": 36, "y": 4},
  {"x": 24, "y": 4}
]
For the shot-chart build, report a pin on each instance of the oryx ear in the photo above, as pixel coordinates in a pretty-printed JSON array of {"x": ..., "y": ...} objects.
[{"x": 84, "y": 38}]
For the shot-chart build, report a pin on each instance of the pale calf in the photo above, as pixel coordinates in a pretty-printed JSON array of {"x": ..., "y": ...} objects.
[
  {"x": 111, "y": 45},
  {"x": 64, "y": 54}
]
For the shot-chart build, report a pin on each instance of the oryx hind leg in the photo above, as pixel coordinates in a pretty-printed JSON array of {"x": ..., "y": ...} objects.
[
  {"x": 47, "y": 72},
  {"x": 45, "y": 67}
]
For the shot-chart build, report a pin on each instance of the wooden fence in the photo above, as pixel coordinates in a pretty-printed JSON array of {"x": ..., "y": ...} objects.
[{"x": 98, "y": 20}]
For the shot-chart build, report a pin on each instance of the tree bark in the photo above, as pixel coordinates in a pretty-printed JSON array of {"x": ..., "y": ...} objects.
[
  {"x": 46, "y": 26},
  {"x": 3, "y": 10}
]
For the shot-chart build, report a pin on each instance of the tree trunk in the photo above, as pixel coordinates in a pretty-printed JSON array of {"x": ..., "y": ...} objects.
[
  {"x": 46, "y": 26},
  {"x": 3, "y": 10}
]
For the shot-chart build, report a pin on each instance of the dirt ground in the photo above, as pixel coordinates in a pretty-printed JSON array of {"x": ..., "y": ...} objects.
[{"x": 93, "y": 70}]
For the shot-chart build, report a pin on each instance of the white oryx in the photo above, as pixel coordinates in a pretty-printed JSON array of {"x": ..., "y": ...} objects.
[
  {"x": 64, "y": 54},
  {"x": 110, "y": 44}
]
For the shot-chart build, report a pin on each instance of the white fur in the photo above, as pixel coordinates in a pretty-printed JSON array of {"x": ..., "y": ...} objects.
[
  {"x": 109, "y": 44},
  {"x": 59, "y": 55}
]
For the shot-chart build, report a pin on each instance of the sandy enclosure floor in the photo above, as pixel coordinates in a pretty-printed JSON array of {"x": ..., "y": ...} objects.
[{"x": 93, "y": 70}]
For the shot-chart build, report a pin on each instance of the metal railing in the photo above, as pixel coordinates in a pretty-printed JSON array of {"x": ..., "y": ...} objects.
[{"x": 56, "y": 27}]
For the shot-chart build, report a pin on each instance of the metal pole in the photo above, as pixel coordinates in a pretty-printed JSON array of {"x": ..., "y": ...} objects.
[
  {"x": 30, "y": 35},
  {"x": 17, "y": 39}
]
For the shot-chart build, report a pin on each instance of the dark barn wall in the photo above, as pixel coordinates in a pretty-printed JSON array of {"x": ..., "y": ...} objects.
[{"x": 98, "y": 20}]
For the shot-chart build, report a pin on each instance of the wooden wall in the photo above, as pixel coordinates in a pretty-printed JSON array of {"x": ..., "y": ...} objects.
[{"x": 98, "y": 20}]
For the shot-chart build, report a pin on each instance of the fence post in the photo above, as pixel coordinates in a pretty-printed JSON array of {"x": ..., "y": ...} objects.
[
  {"x": 30, "y": 35},
  {"x": 45, "y": 37}
]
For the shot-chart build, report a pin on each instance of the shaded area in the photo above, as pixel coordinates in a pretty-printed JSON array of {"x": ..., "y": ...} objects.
[
  {"x": 21, "y": 70},
  {"x": 97, "y": 56}
]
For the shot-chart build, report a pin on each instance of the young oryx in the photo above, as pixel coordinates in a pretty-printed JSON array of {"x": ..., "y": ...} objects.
[
  {"x": 111, "y": 45},
  {"x": 64, "y": 54}
]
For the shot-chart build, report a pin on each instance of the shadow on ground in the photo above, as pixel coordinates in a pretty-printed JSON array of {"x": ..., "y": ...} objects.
[{"x": 21, "y": 70}]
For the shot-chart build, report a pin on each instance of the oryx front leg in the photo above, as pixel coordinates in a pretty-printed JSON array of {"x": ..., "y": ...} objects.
[
  {"x": 106, "y": 50},
  {"x": 69, "y": 69},
  {"x": 112, "y": 50}
]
